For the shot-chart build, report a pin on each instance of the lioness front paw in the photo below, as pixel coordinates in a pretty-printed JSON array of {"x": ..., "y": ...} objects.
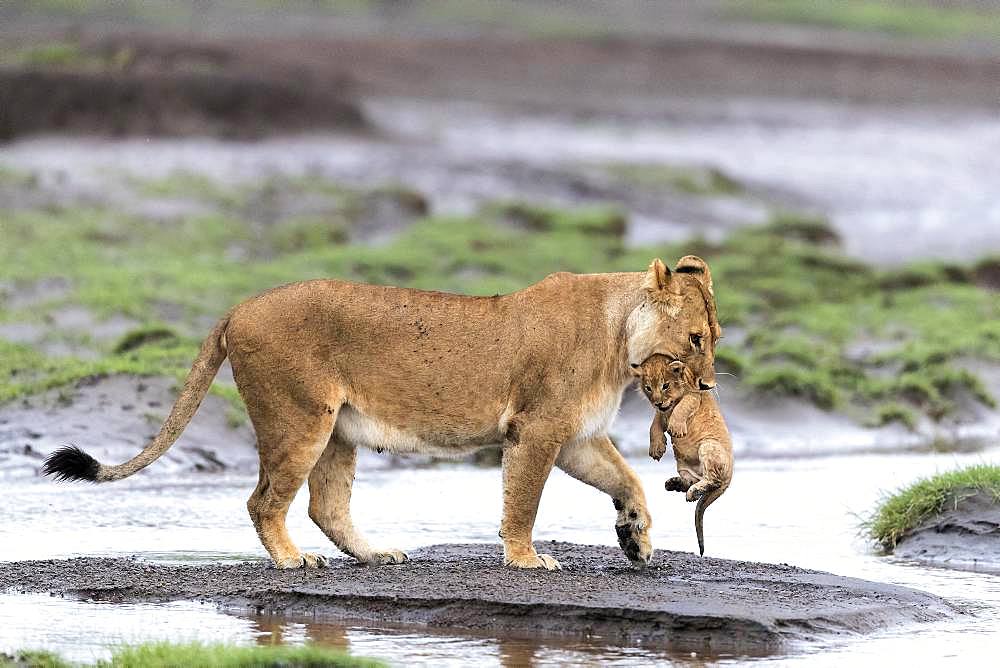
[
  {"x": 304, "y": 560},
  {"x": 533, "y": 561},
  {"x": 632, "y": 529},
  {"x": 386, "y": 558}
]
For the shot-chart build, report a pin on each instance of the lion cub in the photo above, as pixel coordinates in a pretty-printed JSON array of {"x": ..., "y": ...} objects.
[{"x": 698, "y": 434}]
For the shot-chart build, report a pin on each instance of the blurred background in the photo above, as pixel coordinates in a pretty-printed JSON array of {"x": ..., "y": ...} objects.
[{"x": 838, "y": 165}]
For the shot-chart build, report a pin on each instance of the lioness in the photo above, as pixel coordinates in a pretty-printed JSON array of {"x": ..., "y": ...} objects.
[
  {"x": 328, "y": 366},
  {"x": 702, "y": 447}
]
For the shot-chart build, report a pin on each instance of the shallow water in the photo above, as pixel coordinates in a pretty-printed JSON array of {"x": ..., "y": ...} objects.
[{"x": 803, "y": 512}]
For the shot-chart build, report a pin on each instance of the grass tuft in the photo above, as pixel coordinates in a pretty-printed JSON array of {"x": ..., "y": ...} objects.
[
  {"x": 32, "y": 659},
  {"x": 168, "y": 655},
  {"x": 906, "y": 509}
]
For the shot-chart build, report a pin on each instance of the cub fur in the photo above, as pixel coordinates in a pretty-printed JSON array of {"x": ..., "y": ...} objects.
[
  {"x": 702, "y": 446},
  {"x": 326, "y": 367}
]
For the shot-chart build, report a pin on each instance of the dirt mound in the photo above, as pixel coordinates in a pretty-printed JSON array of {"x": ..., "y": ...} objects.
[
  {"x": 680, "y": 601},
  {"x": 967, "y": 536}
]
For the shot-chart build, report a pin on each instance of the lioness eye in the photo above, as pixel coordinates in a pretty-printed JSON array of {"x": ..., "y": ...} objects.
[{"x": 696, "y": 341}]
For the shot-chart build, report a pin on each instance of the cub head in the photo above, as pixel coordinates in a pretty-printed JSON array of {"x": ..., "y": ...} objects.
[
  {"x": 677, "y": 318},
  {"x": 664, "y": 381}
]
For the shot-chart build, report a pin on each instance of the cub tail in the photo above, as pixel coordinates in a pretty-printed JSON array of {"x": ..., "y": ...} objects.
[
  {"x": 704, "y": 501},
  {"x": 72, "y": 463}
]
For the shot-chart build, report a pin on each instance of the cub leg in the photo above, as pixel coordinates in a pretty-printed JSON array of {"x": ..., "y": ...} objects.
[
  {"x": 330, "y": 486},
  {"x": 285, "y": 462},
  {"x": 716, "y": 462},
  {"x": 657, "y": 437},
  {"x": 528, "y": 456},
  {"x": 598, "y": 463}
]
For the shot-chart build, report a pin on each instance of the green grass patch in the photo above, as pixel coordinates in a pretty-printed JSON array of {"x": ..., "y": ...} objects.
[
  {"x": 801, "y": 302},
  {"x": 164, "y": 655},
  {"x": 32, "y": 659},
  {"x": 172, "y": 655},
  {"x": 693, "y": 180},
  {"x": 900, "y": 512},
  {"x": 914, "y": 19}
]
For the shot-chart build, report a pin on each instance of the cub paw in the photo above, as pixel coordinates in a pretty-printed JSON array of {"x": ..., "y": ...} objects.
[
  {"x": 656, "y": 450},
  {"x": 677, "y": 428},
  {"x": 675, "y": 484},
  {"x": 694, "y": 493},
  {"x": 533, "y": 561},
  {"x": 387, "y": 558}
]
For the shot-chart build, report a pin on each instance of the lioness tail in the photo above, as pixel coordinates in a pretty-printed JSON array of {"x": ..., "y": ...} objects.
[
  {"x": 704, "y": 502},
  {"x": 72, "y": 463}
]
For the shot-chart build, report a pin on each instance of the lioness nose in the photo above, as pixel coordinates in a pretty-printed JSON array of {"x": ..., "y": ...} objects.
[{"x": 702, "y": 385}]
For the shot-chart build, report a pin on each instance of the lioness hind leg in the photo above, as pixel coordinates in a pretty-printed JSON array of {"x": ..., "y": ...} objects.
[
  {"x": 330, "y": 504},
  {"x": 285, "y": 461}
]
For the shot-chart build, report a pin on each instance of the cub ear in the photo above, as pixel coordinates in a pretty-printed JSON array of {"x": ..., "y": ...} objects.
[
  {"x": 694, "y": 265},
  {"x": 657, "y": 276},
  {"x": 677, "y": 367}
]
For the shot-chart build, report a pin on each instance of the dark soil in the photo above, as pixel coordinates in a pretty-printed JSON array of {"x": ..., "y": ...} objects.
[
  {"x": 680, "y": 601},
  {"x": 967, "y": 536},
  {"x": 168, "y": 89}
]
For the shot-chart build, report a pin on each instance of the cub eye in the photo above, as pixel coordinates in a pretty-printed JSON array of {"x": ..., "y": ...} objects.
[
  {"x": 696, "y": 341},
  {"x": 664, "y": 388},
  {"x": 647, "y": 388}
]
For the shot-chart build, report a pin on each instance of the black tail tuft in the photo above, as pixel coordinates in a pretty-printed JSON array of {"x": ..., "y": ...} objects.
[{"x": 71, "y": 463}]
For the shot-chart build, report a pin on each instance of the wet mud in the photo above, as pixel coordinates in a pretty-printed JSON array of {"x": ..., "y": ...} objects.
[
  {"x": 966, "y": 536},
  {"x": 680, "y": 601}
]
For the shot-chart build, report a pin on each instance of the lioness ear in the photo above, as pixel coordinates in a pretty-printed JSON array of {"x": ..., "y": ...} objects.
[
  {"x": 694, "y": 265},
  {"x": 635, "y": 370},
  {"x": 657, "y": 276}
]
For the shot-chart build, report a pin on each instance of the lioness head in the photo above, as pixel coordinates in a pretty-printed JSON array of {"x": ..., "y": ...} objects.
[
  {"x": 677, "y": 318},
  {"x": 665, "y": 381}
]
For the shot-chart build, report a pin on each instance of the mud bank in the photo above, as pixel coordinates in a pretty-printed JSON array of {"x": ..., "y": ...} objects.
[
  {"x": 680, "y": 601},
  {"x": 967, "y": 536},
  {"x": 114, "y": 418}
]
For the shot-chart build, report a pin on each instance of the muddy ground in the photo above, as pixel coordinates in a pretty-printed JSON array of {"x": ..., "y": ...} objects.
[
  {"x": 966, "y": 536},
  {"x": 680, "y": 601}
]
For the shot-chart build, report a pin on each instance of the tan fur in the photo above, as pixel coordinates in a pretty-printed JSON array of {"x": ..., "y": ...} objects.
[
  {"x": 327, "y": 366},
  {"x": 701, "y": 443}
]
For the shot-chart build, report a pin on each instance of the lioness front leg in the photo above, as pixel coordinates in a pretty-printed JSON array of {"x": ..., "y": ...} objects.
[
  {"x": 599, "y": 464},
  {"x": 330, "y": 485},
  {"x": 528, "y": 456}
]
